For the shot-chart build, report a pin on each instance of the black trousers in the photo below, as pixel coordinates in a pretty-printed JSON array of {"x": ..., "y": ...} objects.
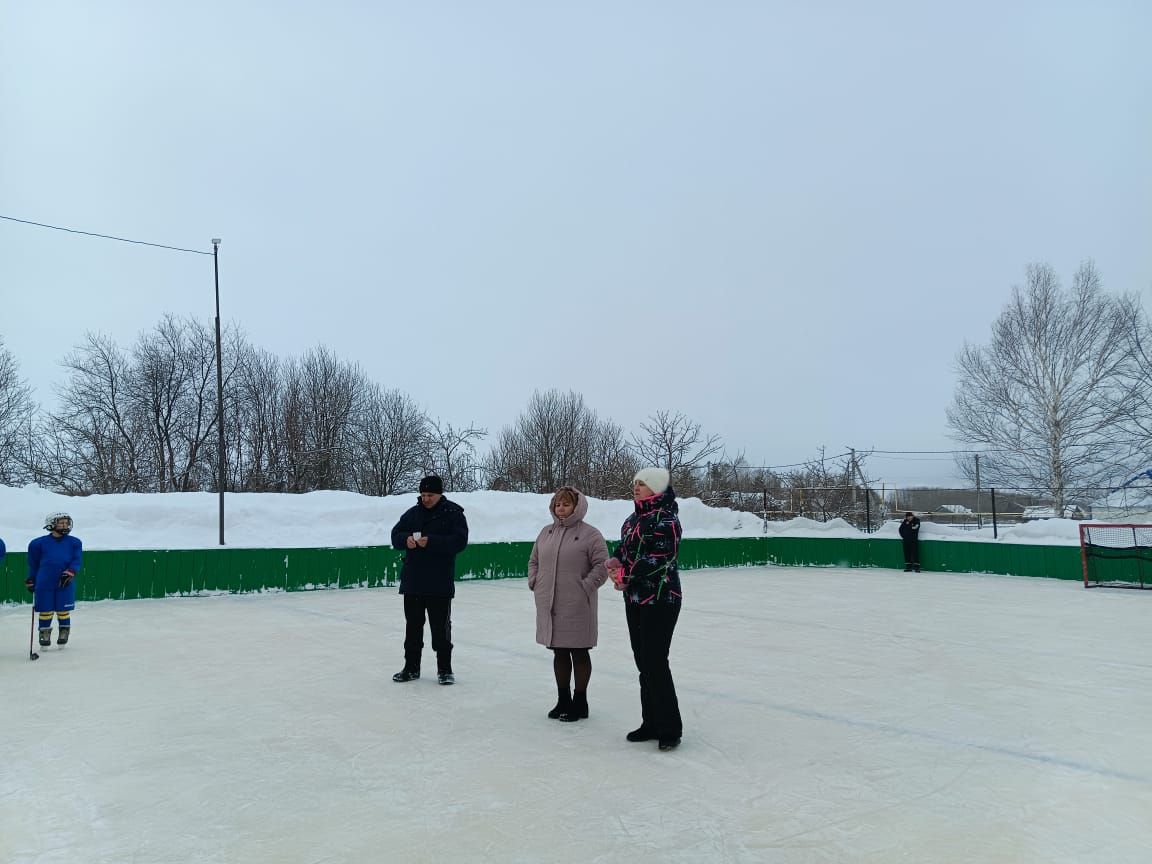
[
  {"x": 911, "y": 551},
  {"x": 439, "y": 613},
  {"x": 650, "y": 631}
]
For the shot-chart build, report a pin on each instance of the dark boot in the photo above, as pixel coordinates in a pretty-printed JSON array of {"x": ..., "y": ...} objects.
[
  {"x": 563, "y": 703},
  {"x": 411, "y": 670},
  {"x": 45, "y": 637},
  {"x": 62, "y": 635},
  {"x": 641, "y": 734},
  {"x": 444, "y": 661},
  {"x": 578, "y": 710},
  {"x": 444, "y": 668}
]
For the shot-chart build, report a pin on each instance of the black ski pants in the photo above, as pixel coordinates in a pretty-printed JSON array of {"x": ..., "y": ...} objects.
[
  {"x": 911, "y": 551},
  {"x": 439, "y": 613},
  {"x": 650, "y": 631}
]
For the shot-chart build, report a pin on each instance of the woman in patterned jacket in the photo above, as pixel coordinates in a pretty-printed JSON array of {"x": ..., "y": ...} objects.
[{"x": 645, "y": 569}]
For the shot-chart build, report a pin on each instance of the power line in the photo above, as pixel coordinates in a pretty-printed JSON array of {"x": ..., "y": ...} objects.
[
  {"x": 774, "y": 467},
  {"x": 909, "y": 456},
  {"x": 104, "y": 236}
]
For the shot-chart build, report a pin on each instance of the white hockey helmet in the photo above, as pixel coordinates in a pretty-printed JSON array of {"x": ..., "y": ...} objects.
[{"x": 52, "y": 518}]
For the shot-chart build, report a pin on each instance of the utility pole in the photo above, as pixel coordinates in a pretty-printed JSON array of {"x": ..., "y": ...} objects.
[
  {"x": 219, "y": 385},
  {"x": 979, "y": 518},
  {"x": 852, "y": 474}
]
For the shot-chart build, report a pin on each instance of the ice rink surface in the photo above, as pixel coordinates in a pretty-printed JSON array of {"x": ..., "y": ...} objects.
[{"x": 830, "y": 715}]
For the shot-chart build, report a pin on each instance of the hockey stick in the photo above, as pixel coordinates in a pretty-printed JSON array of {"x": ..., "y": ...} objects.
[{"x": 32, "y": 655}]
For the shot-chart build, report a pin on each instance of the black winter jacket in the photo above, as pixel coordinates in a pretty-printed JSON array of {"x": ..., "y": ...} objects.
[
  {"x": 910, "y": 530},
  {"x": 648, "y": 549},
  {"x": 431, "y": 570}
]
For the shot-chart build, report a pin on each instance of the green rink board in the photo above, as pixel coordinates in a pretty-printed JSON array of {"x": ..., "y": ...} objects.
[
  {"x": 132, "y": 574},
  {"x": 1121, "y": 564}
]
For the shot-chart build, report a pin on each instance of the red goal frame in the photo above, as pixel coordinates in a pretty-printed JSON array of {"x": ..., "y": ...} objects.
[{"x": 1085, "y": 527}]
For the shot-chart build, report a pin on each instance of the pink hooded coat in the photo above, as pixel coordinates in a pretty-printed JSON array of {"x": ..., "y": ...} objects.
[{"x": 565, "y": 571}]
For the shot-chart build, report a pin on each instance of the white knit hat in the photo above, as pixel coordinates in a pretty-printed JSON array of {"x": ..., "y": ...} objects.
[{"x": 655, "y": 479}]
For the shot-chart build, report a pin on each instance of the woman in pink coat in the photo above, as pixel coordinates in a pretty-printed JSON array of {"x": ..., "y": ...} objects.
[{"x": 565, "y": 571}]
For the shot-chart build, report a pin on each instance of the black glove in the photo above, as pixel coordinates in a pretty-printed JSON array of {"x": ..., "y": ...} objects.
[
  {"x": 30, "y": 584},
  {"x": 66, "y": 578}
]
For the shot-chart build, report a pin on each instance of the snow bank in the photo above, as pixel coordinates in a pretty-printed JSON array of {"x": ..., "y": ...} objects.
[{"x": 189, "y": 520}]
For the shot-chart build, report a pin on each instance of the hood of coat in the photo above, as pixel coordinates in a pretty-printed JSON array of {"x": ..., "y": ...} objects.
[{"x": 577, "y": 515}]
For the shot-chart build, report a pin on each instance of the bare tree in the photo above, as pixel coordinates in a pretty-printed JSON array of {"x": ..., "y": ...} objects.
[
  {"x": 323, "y": 396},
  {"x": 93, "y": 442},
  {"x": 1048, "y": 393},
  {"x": 673, "y": 441},
  {"x": 557, "y": 440},
  {"x": 17, "y": 414},
  {"x": 1138, "y": 407},
  {"x": 830, "y": 488},
  {"x": 388, "y": 438},
  {"x": 254, "y": 418},
  {"x": 452, "y": 454},
  {"x": 172, "y": 390},
  {"x": 612, "y": 465},
  {"x": 732, "y": 482}
]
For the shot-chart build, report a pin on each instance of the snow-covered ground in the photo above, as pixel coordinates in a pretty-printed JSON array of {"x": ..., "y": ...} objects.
[
  {"x": 190, "y": 520},
  {"x": 828, "y": 718}
]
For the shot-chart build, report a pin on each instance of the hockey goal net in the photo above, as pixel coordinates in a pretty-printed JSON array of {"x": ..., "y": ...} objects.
[{"x": 1116, "y": 556}]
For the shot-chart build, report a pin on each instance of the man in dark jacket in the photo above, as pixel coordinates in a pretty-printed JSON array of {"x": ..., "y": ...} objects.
[
  {"x": 910, "y": 535},
  {"x": 433, "y": 532}
]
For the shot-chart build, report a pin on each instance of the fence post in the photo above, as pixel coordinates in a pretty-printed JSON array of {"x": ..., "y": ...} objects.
[
  {"x": 995, "y": 535},
  {"x": 979, "y": 520}
]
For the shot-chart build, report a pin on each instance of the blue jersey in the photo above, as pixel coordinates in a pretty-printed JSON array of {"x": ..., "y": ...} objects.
[{"x": 49, "y": 557}]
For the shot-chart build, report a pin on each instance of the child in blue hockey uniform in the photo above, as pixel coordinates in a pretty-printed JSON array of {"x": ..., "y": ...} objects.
[{"x": 53, "y": 562}]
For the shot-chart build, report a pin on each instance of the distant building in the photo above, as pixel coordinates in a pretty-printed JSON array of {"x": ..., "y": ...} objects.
[
  {"x": 1071, "y": 511},
  {"x": 1130, "y": 502}
]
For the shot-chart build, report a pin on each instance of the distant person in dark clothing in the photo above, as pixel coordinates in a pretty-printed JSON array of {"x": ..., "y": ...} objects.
[
  {"x": 910, "y": 535},
  {"x": 433, "y": 532}
]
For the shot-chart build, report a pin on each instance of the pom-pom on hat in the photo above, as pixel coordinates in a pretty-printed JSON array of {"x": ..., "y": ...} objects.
[
  {"x": 655, "y": 479},
  {"x": 432, "y": 483}
]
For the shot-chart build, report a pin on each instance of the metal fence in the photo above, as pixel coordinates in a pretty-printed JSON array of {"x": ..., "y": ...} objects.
[{"x": 965, "y": 508}]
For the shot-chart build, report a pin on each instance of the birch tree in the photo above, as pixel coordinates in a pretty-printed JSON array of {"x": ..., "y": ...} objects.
[{"x": 1048, "y": 393}]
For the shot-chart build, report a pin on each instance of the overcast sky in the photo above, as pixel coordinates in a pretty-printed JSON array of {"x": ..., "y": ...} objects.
[{"x": 781, "y": 219}]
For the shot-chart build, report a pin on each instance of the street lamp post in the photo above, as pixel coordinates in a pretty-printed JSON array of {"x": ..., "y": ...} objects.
[{"x": 219, "y": 383}]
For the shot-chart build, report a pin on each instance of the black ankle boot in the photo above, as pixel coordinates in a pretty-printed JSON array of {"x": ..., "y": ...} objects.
[
  {"x": 578, "y": 709},
  {"x": 563, "y": 703},
  {"x": 641, "y": 734}
]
